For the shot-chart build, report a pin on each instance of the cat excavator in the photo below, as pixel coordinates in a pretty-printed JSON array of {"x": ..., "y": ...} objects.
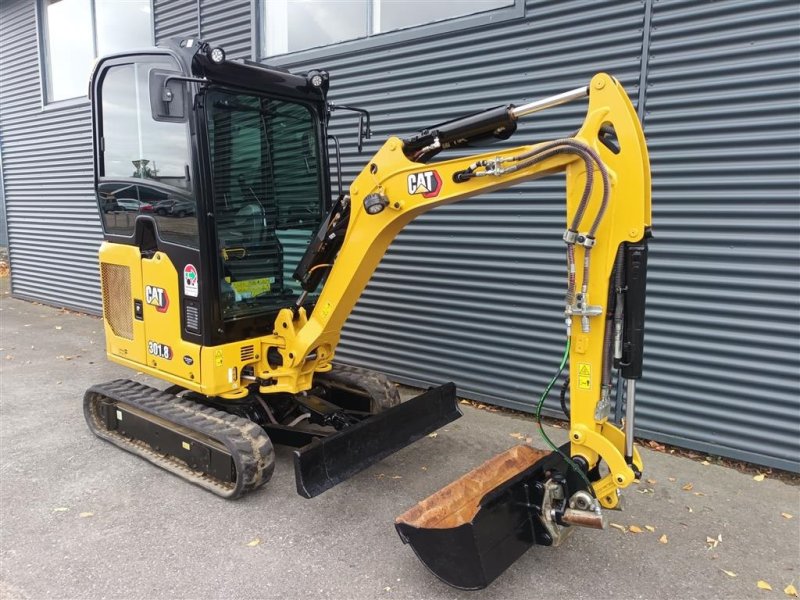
[{"x": 229, "y": 268}]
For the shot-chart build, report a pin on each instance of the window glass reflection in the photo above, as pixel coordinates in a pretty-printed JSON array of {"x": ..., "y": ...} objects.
[
  {"x": 135, "y": 144},
  {"x": 396, "y": 14},
  {"x": 145, "y": 162},
  {"x": 122, "y": 25},
  {"x": 298, "y": 24},
  {"x": 293, "y": 25},
  {"x": 70, "y": 48}
]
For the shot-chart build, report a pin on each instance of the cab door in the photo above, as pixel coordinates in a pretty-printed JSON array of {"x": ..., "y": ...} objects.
[{"x": 149, "y": 210}]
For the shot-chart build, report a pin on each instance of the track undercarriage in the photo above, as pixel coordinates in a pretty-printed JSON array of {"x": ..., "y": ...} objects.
[{"x": 351, "y": 419}]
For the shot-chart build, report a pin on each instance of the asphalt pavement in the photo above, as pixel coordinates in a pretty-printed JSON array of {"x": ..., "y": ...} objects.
[{"x": 82, "y": 519}]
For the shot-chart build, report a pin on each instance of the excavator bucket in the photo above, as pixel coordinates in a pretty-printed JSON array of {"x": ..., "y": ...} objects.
[
  {"x": 472, "y": 530},
  {"x": 327, "y": 461}
]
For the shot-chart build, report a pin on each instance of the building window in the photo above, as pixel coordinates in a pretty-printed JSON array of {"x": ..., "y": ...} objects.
[
  {"x": 293, "y": 25},
  {"x": 77, "y": 31}
]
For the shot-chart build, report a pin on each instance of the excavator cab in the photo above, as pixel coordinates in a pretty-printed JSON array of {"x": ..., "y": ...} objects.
[{"x": 223, "y": 168}]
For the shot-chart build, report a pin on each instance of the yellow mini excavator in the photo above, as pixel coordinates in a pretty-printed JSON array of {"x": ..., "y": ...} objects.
[{"x": 229, "y": 268}]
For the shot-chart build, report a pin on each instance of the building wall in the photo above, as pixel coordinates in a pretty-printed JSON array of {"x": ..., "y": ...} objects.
[
  {"x": 53, "y": 226},
  {"x": 473, "y": 292}
]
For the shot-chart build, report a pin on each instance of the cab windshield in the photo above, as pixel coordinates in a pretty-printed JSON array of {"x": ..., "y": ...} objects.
[{"x": 268, "y": 198}]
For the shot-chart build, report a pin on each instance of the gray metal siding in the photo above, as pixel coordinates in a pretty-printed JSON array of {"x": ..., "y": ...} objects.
[
  {"x": 723, "y": 332},
  {"x": 174, "y": 18},
  {"x": 224, "y": 23},
  {"x": 53, "y": 226}
]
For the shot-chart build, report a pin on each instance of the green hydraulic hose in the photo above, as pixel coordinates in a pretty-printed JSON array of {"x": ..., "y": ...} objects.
[{"x": 547, "y": 440}]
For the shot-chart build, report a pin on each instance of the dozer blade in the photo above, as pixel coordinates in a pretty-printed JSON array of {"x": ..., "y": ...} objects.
[
  {"x": 472, "y": 530},
  {"x": 328, "y": 461}
]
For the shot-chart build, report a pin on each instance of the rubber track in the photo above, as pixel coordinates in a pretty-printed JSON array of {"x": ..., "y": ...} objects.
[
  {"x": 247, "y": 443},
  {"x": 378, "y": 386}
]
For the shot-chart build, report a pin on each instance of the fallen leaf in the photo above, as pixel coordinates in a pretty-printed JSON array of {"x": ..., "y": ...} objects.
[
  {"x": 759, "y": 477},
  {"x": 729, "y": 573},
  {"x": 58, "y": 326},
  {"x": 652, "y": 481},
  {"x": 699, "y": 494},
  {"x": 424, "y": 468},
  {"x": 433, "y": 435},
  {"x": 790, "y": 590},
  {"x": 719, "y": 537},
  {"x": 518, "y": 436},
  {"x": 671, "y": 478},
  {"x": 83, "y": 515},
  {"x": 254, "y": 542},
  {"x": 397, "y": 477},
  {"x": 650, "y": 528},
  {"x": 786, "y": 515},
  {"x": 688, "y": 487},
  {"x": 635, "y": 529},
  {"x": 618, "y": 526},
  {"x": 689, "y": 508},
  {"x": 763, "y": 585},
  {"x": 61, "y": 509},
  {"x": 463, "y": 402},
  {"x": 705, "y": 463},
  {"x": 663, "y": 539},
  {"x": 712, "y": 542}
]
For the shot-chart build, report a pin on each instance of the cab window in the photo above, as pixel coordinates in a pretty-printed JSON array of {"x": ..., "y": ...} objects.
[
  {"x": 145, "y": 164},
  {"x": 267, "y": 197}
]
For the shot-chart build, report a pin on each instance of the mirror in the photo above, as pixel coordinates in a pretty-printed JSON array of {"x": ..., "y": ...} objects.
[{"x": 167, "y": 95}]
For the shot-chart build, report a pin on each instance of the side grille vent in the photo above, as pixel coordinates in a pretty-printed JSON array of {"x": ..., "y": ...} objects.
[
  {"x": 248, "y": 353},
  {"x": 117, "y": 300}
]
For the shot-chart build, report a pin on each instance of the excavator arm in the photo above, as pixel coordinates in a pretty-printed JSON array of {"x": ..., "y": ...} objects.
[{"x": 608, "y": 218}]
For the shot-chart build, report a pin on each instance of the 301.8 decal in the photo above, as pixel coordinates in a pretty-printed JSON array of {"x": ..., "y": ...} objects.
[{"x": 159, "y": 350}]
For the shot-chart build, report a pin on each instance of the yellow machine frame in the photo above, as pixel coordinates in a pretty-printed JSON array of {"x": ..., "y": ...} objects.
[{"x": 307, "y": 342}]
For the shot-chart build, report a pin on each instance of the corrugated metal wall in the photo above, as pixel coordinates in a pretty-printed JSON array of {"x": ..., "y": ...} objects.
[
  {"x": 473, "y": 292},
  {"x": 723, "y": 331},
  {"x": 225, "y": 23},
  {"x": 53, "y": 226}
]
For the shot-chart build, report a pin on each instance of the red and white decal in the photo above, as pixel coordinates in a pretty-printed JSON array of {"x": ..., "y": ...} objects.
[
  {"x": 191, "y": 285},
  {"x": 427, "y": 183}
]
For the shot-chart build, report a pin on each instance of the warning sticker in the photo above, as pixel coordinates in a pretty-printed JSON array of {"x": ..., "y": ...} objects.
[
  {"x": 190, "y": 281},
  {"x": 584, "y": 376},
  {"x": 218, "y": 358},
  {"x": 250, "y": 288}
]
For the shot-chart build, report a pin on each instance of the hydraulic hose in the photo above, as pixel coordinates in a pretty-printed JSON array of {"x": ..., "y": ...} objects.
[{"x": 544, "y": 435}]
